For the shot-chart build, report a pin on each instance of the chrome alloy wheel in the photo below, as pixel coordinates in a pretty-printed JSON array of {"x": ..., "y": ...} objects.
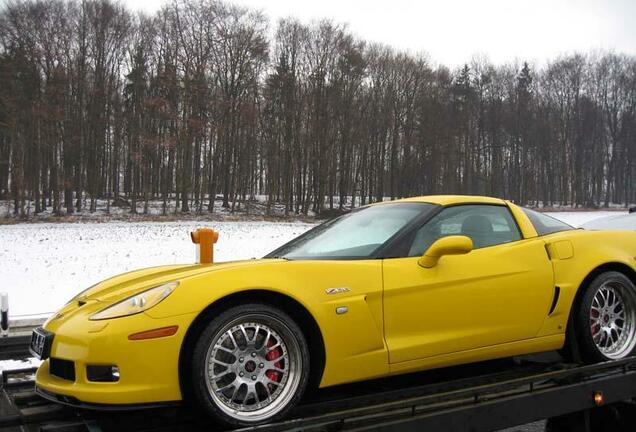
[
  {"x": 613, "y": 320},
  {"x": 253, "y": 367}
]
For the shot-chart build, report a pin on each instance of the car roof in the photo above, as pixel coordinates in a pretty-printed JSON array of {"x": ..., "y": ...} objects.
[{"x": 453, "y": 199}]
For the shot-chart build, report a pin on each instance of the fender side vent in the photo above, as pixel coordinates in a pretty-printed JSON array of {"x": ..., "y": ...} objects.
[
  {"x": 547, "y": 251},
  {"x": 555, "y": 299}
]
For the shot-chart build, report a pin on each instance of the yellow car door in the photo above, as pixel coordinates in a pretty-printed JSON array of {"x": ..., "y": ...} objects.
[{"x": 499, "y": 292}]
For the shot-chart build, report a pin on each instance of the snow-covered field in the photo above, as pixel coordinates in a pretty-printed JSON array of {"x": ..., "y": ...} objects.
[
  {"x": 43, "y": 265},
  {"x": 579, "y": 218}
]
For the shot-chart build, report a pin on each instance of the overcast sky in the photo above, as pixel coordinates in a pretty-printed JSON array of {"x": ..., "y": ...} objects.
[{"x": 452, "y": 31}]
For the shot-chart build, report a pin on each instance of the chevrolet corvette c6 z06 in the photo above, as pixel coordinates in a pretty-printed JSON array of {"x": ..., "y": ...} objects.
[{"x": 386, "y": 289}]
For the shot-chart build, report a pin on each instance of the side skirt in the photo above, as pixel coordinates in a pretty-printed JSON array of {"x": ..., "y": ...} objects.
[{"x": 528, "y": 346}]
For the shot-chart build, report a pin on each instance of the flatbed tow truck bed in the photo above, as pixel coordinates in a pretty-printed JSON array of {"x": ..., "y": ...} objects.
[{"x": 486, "y": 396}]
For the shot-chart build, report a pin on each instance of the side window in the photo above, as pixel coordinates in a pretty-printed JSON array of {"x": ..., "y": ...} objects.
[
  {"x": 486, "y": 225},
  {"x": 545, "y": 224}
]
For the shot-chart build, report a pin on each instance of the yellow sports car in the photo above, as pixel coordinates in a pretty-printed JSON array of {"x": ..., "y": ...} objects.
[{"x": 386, "y": 289}]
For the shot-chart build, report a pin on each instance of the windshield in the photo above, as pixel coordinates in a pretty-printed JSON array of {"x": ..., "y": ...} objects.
[{"x": 356, "y": 235}]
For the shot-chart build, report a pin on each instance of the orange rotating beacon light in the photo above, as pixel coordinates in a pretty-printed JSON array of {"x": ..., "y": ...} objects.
[{"x": 205, "y": 239}]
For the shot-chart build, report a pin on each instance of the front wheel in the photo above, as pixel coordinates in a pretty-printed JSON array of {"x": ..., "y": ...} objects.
[
  {"x": 250, "y": 365},
  {"x": 606, "y": 318}
]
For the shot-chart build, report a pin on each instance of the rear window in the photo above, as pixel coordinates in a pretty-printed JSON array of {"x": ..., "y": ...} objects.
[{"x": 545, "y": 224}]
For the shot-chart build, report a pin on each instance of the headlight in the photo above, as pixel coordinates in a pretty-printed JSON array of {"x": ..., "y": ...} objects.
[{"x": 137, "y": 303}]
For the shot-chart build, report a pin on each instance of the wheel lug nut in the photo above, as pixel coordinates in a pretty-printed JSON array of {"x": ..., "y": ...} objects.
[
  {"x": 241, "y": 374},
  {"x": 241, "y": 359},
  {"x": 253, "y": 377},
  {"x": 261, "y": 365},
  {"x": 253, "y": 354}
]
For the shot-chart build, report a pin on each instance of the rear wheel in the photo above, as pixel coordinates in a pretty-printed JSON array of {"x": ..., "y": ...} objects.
[
  {"x": 250, "y": 365},
  {"x": 606, "y": 318}
]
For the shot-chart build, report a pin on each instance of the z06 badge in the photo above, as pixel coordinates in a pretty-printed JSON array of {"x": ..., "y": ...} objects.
[{"x": 337, "y": 290}]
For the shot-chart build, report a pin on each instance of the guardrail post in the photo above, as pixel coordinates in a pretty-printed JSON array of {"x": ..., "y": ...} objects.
[{"x": 4, "y": 314}]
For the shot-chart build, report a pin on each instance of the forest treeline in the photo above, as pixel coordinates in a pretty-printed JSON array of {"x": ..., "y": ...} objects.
[{"x": 205, "y": 99}]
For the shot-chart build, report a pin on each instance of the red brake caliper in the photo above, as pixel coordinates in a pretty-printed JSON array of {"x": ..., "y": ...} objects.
[{"x": 273, "y": 355}]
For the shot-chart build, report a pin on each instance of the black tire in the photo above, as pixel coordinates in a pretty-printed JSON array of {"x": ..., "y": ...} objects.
[
  {"x": 212, "y": 349},
  {"x": 587, "y": 322}
]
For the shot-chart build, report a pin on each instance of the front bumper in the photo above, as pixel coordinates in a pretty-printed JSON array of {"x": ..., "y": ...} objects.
[
  {"x": 149, "y": 369},
  {"x": 74, "y": 402}
]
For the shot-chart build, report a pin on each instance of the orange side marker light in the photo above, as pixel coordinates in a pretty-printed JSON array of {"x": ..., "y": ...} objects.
[
  {"x": 205, "y": 238},
  {"x": 154, "y": 333},
  {"x": 599, "y": 398}
]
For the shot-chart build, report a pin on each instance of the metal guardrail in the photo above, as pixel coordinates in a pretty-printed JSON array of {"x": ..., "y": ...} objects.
[{"x": 15, "y": 345}]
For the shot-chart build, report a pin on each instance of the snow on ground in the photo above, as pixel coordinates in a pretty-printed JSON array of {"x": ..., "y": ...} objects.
[
  {"x": 19, "y": 364},
  {"x": 120, "y": 209},
  {"x": 44, "y": 265},
  {"x": 579, "y": 218}
]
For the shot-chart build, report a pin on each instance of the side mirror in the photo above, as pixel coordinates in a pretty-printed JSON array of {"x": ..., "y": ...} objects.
[{"x": 451, "y": 245}]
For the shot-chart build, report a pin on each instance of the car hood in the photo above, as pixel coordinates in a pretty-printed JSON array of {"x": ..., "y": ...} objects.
[{"x": 128, "y": 284}]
